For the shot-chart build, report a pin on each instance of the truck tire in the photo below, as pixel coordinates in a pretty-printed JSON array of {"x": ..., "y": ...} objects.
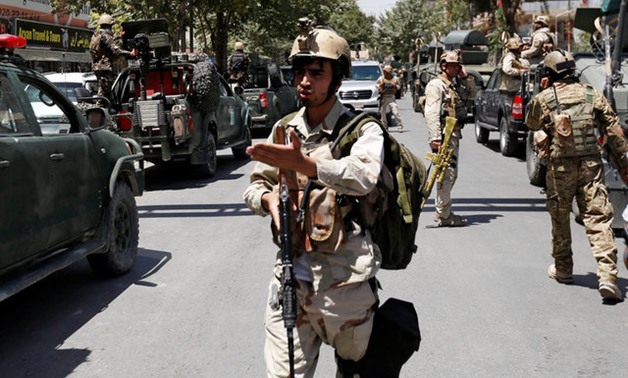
[
  {"x": 205, "y": 87},
  {"x": 536, "y": 169},
  {"x": 123, "y": 229},
  {"x": 507, "y": 141},
  {"x": 208, "y": 170},
  {"x": 481, "y": 134},
  {"x": 239, "y": 153}
]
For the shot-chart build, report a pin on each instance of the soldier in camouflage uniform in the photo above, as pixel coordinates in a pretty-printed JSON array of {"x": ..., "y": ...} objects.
[
  {"x": 104, "y": 53},
  {"x": 513, "y": 66},
  {"x": 336, "y": 298},
  {"x": 387, "y": 86},
  {"x": 571, "y": 113},
  {"x": 441, "y": 99},
  {"x": 542, "y": 41}
]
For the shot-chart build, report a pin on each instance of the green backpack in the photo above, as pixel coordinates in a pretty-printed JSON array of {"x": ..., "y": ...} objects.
[{"x": 397, "y": 220}]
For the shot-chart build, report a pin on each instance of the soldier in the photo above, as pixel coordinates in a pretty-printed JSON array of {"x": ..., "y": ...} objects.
[
  {"x": 387, "y": 86},
  {"x": 239, "y": 64},
  {"x": 542, "y": 41},
  {"x": 104, "y": 53},
  {"x": 513, "y": 66},
  {"x": 442, "y": 99},
  {"x": 571, "y": 113},
  {"x": 336, "y": 291}
]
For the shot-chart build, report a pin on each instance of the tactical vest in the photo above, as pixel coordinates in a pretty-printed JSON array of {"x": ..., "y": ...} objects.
[
  {"x": 577, "y": 107},
  {"x": 390, "y": 86}
]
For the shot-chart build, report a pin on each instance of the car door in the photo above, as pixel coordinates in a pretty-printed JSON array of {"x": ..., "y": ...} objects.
[
  {"x": 75, "y": 187},
  {"x": 228, "y": 127},
  {"x": 24, "y": 181},
  {"x": 492, "y": 97}
]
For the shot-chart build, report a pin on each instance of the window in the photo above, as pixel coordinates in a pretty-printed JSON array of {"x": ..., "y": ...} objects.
[
  {"x": 11, "y": 114},
  {"x": 47, "y": 107}
]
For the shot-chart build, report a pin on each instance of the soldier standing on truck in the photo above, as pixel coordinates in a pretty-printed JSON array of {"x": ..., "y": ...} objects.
[
  {"x": 441, "y": 100},
  {"x": 513, "y": 66},
  {"x": 105, "y": 52},
  {"x": 387, "y": 86},
  {"x": 571, "y": 113},
  {"x": 239, "y": 65},
  {"x": 542, "y": 41}
]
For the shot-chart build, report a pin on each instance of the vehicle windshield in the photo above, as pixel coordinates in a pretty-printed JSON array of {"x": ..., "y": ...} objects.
[{"x": 370, "y": 73}]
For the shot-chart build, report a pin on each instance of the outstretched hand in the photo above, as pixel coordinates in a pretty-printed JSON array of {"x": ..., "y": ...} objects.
[{"x": 284, "y": 156}]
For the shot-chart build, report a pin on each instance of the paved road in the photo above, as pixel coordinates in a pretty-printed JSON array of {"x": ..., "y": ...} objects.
[{"x": 193, "y": 305}]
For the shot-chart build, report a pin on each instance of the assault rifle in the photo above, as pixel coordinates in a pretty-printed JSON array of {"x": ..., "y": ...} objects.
[
  {"x": 440, "y": 160},
  {"x": 288, "y": 284}
]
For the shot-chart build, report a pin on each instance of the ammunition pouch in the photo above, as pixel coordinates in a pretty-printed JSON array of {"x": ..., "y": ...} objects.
[{"x": 542, "y": 144}]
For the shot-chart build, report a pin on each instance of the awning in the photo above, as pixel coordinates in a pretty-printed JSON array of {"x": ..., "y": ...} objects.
[{"x": 54, "y": 56}]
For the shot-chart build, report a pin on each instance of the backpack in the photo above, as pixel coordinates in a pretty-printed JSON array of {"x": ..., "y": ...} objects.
[
  {"x": 397, "y": 209},
  {"x": 237, "y": 62}
]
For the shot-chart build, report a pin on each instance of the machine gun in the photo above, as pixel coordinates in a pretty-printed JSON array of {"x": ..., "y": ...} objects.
[
  {"x": 288, "y": 282},
  {"x": 440, "y": 160}
]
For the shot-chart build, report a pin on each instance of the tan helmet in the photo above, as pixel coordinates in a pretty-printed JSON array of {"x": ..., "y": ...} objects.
[
  {"x": 322, "y": 42},
  {"x": 514, "y": 43},
  {"x": 450, "y": 56},
  {"x": 105, "y": 19},
  {"x": 542, "y": 19},
  {"x": 238, "y": 46},
  {"x": 561, "y": 62},
  {"x": 388, "y": 68}
]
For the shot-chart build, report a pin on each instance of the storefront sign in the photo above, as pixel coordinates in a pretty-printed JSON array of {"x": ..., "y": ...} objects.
[{"x": 53, "y": 37}]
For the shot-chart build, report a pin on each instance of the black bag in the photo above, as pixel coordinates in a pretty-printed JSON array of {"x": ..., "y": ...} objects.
[{"x": 395, "y": 337}]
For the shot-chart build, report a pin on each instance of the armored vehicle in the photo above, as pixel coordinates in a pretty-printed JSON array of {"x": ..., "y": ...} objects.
[
  {"x": 67, "y": 184},
  {"x": 177, "y": 106}
]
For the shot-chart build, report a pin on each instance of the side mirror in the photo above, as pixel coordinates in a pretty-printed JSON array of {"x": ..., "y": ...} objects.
[{"x": 96, "y": 118}]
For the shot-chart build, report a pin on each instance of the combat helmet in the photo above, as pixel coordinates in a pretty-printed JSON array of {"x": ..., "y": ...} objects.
[
  {"x": 105, "y": 19},
  {"x": 514, "y": 43},
  {"x": 450, "y": 56},
  {"x": 238, "y": 46},
  {"x": 560, "y": 62},
  {"x": 542, "y": 19},
  {"x": 322, "y": 42},
  {"x": 388, "y": 68}
]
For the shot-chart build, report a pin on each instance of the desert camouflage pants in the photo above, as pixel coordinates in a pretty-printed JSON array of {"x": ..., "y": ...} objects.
[
  {"x": 583, "y": 179},
  {"x": 341, "y": 317},
  {"x": 386, "y": 102},
  {"x": 105, "y": 81},
  {"x": 443, "y": 190}
]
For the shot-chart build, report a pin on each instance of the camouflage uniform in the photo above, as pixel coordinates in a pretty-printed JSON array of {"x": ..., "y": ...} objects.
[
  {"x": 387, "y": 88},
  {"x": 541, "y": 42},
  {"x": 575, "y": 169},
  {"x": 512, "y": 67},
  {"x": 439, "y": 97},
  {"x": 104, "y": 53},
  {"x": 334, "y": 295}
]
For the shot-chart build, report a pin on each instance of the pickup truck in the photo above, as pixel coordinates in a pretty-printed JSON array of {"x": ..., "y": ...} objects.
[
  {"x": 501, "y": 111},
  {"x": 268, "y": 95},
  {"x": 176, "y": 106}
]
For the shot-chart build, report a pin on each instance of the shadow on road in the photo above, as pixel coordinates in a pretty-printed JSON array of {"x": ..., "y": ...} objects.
[
  {"x": 590, "y": 281},
  {"x": 180, "y": 175},
  {"x": 37, "y": 321},
  {"x": 193, "y": 210}
]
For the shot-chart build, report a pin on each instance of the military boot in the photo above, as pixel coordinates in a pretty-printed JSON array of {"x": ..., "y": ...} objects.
[
  {"x": 562, "y": 277},
  {"x": 609, "y": 291}
]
